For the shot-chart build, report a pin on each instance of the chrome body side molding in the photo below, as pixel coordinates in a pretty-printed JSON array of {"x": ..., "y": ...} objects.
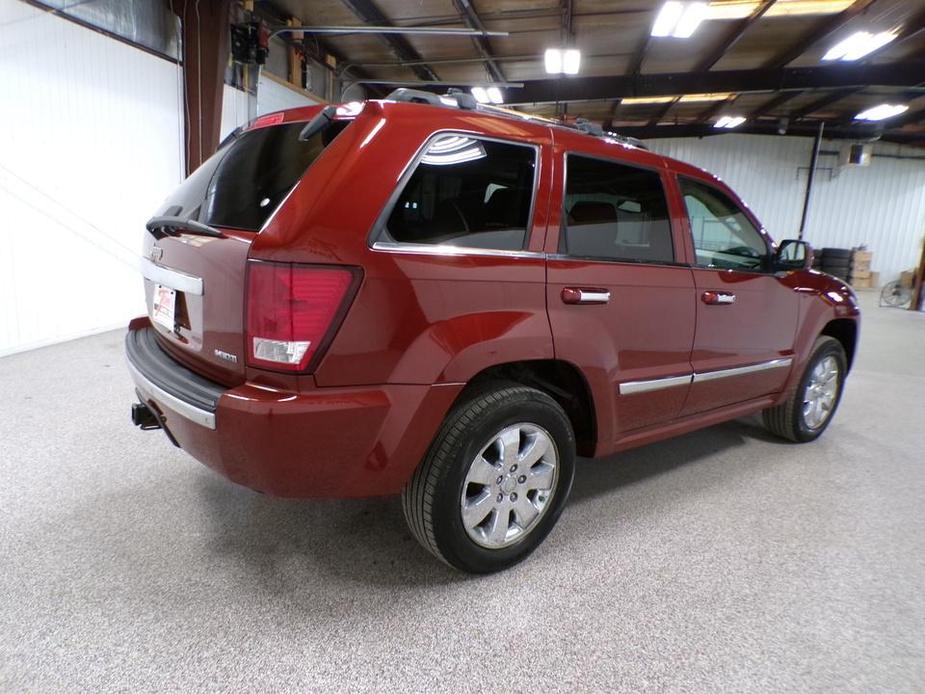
[{"x": 631, "y": 387}]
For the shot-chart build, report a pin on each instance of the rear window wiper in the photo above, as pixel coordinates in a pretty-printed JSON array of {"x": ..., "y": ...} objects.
[{"x": 164, "y": 226}]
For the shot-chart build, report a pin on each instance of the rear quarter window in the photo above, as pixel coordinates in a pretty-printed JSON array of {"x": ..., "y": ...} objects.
[{"x": 468, "y": 192}]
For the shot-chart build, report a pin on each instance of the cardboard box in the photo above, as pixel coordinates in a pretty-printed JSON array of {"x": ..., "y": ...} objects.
[
  {"x": 860, "y": 274},
  {"x": 907, "y": 279},
  {"x": 875, "y": 279},
  {"x": 861, "y": 283},
  {"x": 863, "y": 255}
]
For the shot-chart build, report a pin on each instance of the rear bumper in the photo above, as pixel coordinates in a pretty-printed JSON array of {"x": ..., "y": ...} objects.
[{"x": 334, "y": 442}]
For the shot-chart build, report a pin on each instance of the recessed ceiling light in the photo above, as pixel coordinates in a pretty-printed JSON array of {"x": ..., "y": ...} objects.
[
  {"x": 858, "y": 45},
  {"x": 711, "y": 96},
  {"x": 494, "y": 95},
  {"x": 559, "y": 61},
  {"x": 882, "y": 112},
  {"x": 729, "y": 122},
  {"x": 679, "y": 19}
]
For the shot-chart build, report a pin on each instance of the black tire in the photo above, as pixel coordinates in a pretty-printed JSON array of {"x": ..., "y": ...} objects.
[
  {"x": 432, "y": 499},
  {"x": 787, "y": 419},
  {"x": 837, "y": 253}
]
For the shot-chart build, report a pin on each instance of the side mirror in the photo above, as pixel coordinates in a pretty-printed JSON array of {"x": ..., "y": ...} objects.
[{"x": 793, "y": 255}]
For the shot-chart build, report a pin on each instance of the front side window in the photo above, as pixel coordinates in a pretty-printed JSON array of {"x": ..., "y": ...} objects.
[
  {"x": 466, "y": 192},
  {"x": 615, "y": 212},
  {"x": 723, "y": 236}
]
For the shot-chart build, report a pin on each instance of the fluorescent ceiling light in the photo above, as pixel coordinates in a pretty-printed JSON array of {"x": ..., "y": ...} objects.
[
  {"x": 667, "y": 18},
  {"x": 740, "y": 9},
  {"x": 480, "y": 94},
  {"x": 571, "y": 61},
  {"x": 858, "y": 45},
  {"x": 729, "y": 122},
  {"x": 494, "y": 95},
  {"x": 712, "y": 96},
  {"x": 559, "y": 61},
  {"x": 686, "y": 98},
  {"x": 882, "y": 112},
  {"x": 553, "y": 61},
  {"x": 679, "y": 19}
]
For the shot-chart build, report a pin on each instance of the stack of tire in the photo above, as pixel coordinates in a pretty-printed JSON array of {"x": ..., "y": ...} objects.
[{"x": 835, "y": 261}]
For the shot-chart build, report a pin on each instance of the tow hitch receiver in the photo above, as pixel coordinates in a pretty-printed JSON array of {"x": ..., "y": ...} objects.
[{"x": 143, "y": 417}]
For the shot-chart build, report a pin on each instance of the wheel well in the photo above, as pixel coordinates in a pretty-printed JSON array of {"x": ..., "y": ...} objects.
[
  {"x": 562, "y": 381},
  {"x": 845, "y": 331}
]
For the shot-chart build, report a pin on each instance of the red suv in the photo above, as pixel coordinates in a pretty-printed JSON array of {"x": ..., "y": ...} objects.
[{"x": 452, "y": 302}]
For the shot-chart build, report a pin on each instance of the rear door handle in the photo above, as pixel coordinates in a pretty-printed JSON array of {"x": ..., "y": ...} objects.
[
  {"x": 715, "y": 298},
  {"x": 585, "y": 295}
]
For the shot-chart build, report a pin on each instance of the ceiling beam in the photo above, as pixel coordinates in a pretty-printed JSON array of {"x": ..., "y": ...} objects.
[
  {"x": 370, "y": 14},
  {"x": 906, "y": 74},
  {"x": 859, "y": 132},
  {"x": 823, "y": 29},
  {"x": 731, "y": 37},
  {"x": 472, "y": 19},
  {"x": 771, "y": 104},
  {"x": 822, "y": 102}
]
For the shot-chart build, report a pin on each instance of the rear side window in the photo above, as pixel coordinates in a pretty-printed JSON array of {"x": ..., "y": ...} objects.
[
  {"x": 244, "y": 182},
  {"x": 466, "y": 192},
  {"x": 615, "y": 212},
  {"x": 723, "y": 236}
]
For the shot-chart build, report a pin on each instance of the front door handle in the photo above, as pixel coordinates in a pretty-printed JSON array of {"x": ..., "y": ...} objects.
[
  {"x": 585, "y": 295},
  {"x": 715, "y": 298}
]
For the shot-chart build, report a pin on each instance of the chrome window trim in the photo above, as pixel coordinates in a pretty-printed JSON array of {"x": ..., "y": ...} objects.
[
  {"x": 379, "y": 228},
  {"x": 184, "y": 409},
  {"x": 741, "y": 370},
  {"x": 171, "y": 278},
  {"x": 451, "y": 251},
  {"x": 631, "y": 387}
]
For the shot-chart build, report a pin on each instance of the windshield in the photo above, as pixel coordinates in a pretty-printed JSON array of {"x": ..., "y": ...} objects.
[{"x": 244, "y": 182}]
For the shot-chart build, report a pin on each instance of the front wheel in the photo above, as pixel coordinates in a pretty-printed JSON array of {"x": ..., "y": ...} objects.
[
  {"x": 494, "y": 481},
  {"x": 809, "y": 409}
]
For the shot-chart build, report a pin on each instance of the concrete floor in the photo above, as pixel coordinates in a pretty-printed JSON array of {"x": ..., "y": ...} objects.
[{"x": 722, "y": 560}]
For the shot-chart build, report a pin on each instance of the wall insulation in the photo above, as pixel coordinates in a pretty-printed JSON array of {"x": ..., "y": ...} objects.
[{"x": 881, "y": 205}]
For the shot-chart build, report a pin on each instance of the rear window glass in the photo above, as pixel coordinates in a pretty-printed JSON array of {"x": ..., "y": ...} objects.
[{"x": 244, "y": 182}]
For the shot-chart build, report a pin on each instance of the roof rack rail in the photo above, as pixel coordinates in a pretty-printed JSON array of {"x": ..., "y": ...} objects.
[
  {"x": 454, "y": 98},
  {"x": 457, "y": 98}
]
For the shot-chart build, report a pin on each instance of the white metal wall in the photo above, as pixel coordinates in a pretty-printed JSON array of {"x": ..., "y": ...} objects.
[
  {"x": 881, "y": 205},
  {"x": 89, "y": 146},
  {"x": 271, "y": 96}
]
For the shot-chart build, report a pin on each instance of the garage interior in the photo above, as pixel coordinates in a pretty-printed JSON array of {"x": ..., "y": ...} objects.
[{"x": 724, "y": 559}]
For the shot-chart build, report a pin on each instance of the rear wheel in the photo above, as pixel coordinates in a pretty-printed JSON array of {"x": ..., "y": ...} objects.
[
  {"x": 809, "y": 409},
  {"x": 494, "y": 481}
]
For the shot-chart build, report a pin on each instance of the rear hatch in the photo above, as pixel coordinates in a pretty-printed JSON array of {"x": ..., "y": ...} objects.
[{"x": 196, "y": 248}]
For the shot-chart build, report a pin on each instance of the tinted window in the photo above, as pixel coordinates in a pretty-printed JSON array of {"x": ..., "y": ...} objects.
[
  {"x": 723, "y": 236},
  {"x": 242, "y": 184},
  {"x": 466, "y": 192},
  {"x": 615, "y": 212}
]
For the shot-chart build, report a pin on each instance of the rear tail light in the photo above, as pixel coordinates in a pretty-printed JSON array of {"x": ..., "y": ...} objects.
[{"x": 292, "y": 311}]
